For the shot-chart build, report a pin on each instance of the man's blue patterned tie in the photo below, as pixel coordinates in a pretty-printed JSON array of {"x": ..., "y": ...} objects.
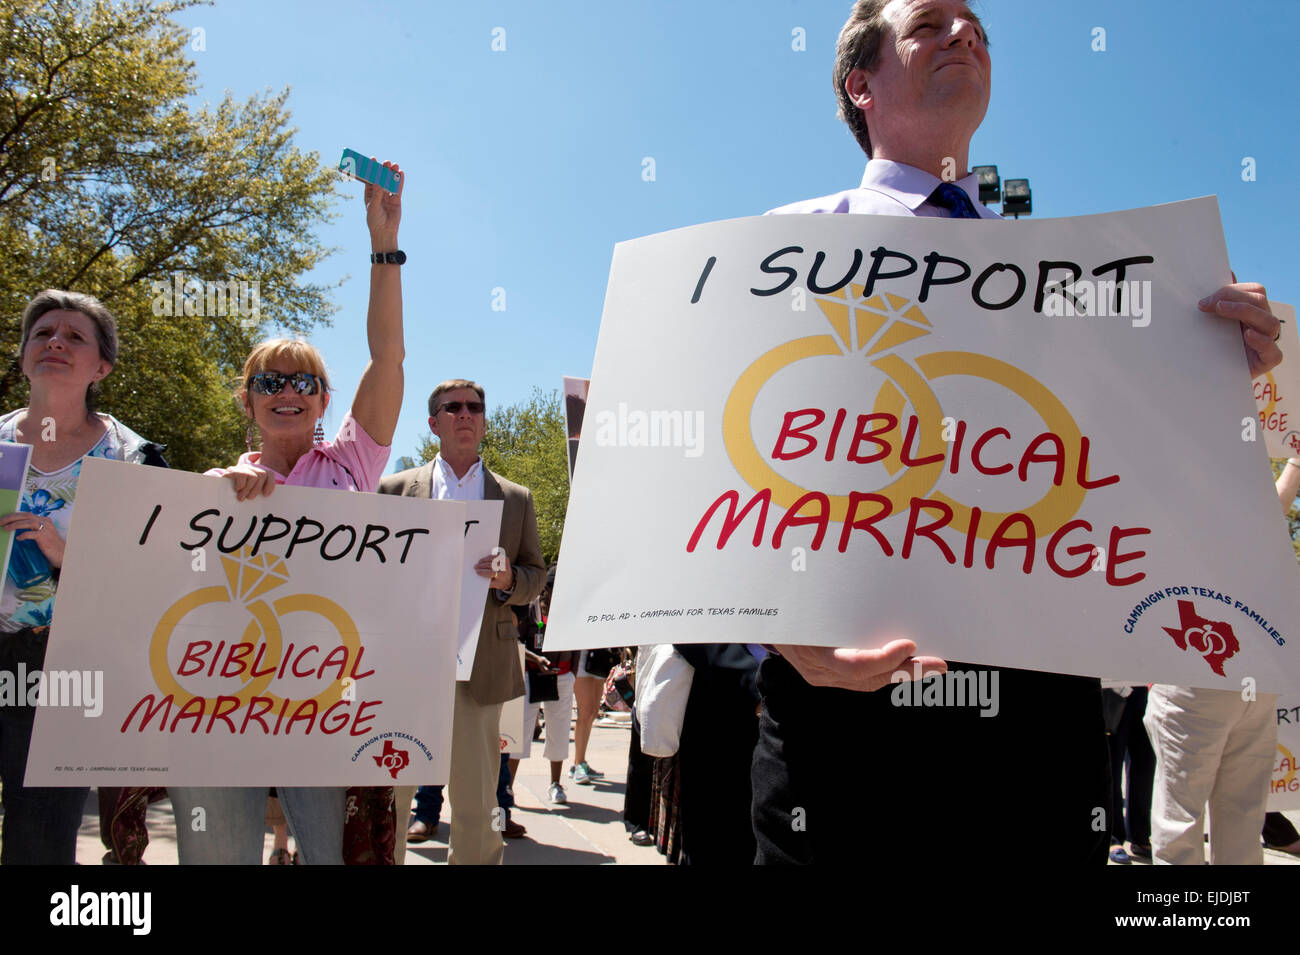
[{"x": 954, "y": 199}]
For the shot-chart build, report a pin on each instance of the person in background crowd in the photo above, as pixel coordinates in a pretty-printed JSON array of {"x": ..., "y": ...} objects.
[
  {"x": 588, "y": 689},
  {"x": 559, "y": 711},
  {"x": 1213, "y": 746},
  {"x": 1131, "y": 755},
  {"x": 69, "y": 345},
  {"x": 637, "y": 794},
  {"x": 426, "y": 815},
  {"x": 285, "y": 393},
  {"x": 457, "y": 417}
]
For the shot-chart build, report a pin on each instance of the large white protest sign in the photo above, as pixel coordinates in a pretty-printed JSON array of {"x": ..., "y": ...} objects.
[
  {"x": 306, "y": 638},
  {"x": 1284, "y": 787},
  {"x": 1277, "y": 392},
  {"x": 482, "y": 534},
  {"x": 1017, "y": 443}
]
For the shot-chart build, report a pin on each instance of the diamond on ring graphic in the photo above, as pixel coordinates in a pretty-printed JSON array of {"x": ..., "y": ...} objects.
[
  {"x": 249, "y": 577},
  {"x": 881, "y": 322}
]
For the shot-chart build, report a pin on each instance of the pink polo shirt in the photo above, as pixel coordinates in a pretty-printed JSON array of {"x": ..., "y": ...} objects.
[{"x": 351, "y": 462}]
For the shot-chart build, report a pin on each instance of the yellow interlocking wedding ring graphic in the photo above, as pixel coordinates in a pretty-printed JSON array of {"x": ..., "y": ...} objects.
[
  {"x": 248, "y": 578},
  {"x": 872, "y": 327}
]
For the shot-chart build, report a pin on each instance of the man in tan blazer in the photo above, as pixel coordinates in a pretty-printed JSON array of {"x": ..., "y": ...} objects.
[{"x": 457, "y": 417}]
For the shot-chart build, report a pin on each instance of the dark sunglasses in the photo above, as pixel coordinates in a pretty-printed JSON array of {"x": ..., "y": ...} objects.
[
  {"x": 273, "y": 382},
  {"x": 453, "y": 407}
]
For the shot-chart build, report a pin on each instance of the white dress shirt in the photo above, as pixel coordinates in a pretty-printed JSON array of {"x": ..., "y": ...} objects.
[
  {"x": 447, "y": 487},
  {"x": 892, "y": 189}
]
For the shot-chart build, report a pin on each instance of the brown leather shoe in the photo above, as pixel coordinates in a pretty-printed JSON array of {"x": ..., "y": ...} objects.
[
  {"x": 420, "y": 832},
  {"x": 513, "y": 830}
]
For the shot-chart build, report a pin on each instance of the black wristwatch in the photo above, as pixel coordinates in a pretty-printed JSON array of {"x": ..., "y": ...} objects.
[{"x": 388, "y": 258}]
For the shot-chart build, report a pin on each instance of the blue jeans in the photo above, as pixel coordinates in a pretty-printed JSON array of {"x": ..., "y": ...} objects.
[
  {"x": 231, "y": 827},
  {"x": 40, "y": 825},
  {"x": 428, "y": 805}
]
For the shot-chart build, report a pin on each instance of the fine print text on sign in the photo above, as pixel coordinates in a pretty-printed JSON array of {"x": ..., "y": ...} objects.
[
  {"x": 289, "y": 640},
  {"x": 971, "y": 434}
]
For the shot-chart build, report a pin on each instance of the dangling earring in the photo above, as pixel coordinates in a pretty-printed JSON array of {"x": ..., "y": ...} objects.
[
  {"x": 319, "y": 435},
  {"x": 248, "y": 437}
]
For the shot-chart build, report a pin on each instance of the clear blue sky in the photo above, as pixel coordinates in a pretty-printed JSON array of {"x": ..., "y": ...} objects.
[{"x": 525, "y": 166}]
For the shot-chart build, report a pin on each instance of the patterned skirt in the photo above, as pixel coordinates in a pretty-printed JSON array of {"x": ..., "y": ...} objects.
[{"x": 665, "y": 818}]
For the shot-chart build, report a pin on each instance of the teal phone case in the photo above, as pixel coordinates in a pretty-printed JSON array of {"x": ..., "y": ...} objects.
[{"x": 367, "y": 170}]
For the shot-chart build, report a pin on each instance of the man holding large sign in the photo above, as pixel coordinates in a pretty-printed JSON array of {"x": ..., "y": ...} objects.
[
  {"x": 913, "y": 83},
  {"x": 935, "y": 469}
]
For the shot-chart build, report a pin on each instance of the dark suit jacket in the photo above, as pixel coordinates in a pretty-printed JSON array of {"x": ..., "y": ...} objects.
[{"x": 496, "y": 676}]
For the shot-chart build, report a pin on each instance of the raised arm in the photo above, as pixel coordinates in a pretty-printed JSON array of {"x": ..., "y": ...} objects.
[{"x": 379, "y": 396}]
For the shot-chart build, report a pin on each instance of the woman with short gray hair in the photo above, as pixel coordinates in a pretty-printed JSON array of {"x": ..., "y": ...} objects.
[{"x": 69, "y": 345}]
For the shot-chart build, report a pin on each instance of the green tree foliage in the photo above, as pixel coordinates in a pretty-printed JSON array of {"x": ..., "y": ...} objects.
[
  {"x": 526, "y": 443},
  {"x": 111, "y": 184}
]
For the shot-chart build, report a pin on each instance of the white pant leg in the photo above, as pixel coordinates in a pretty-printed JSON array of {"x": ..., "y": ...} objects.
[
  {"x": 530, "y": 727},
  {"x": 1240, "y": 794},
  {"x": 559, "y": 719},
  {"x": 1188, "y": 729}
]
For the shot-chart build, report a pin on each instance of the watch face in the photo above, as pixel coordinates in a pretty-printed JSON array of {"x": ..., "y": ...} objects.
[{"x": 399, "y": 257}]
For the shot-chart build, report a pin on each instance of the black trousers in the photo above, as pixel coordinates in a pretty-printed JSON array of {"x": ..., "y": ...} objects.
[
  {"x": 841, "y": 776},
  {"x": 1130, "y": 746},
  {"x": 640, "y": 773}
]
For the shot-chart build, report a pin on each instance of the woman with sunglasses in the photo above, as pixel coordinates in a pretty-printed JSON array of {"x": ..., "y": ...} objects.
[
  {"x": 69, "y": 345},
  {"x": 285, "y": 395}
]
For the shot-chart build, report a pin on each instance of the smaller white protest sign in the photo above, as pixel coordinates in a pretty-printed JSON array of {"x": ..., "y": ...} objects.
[
  {"x": 1277, "y": 394},
  {"x": 482, "y": 534},
  {"x": 1284, "y": 788},
  {"x": 301, "y": 639}
]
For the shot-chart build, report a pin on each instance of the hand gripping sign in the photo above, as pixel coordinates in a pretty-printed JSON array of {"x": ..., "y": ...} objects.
[
  {"x": 904, "y": 432},
  {"x": 307, "y": 638}
]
